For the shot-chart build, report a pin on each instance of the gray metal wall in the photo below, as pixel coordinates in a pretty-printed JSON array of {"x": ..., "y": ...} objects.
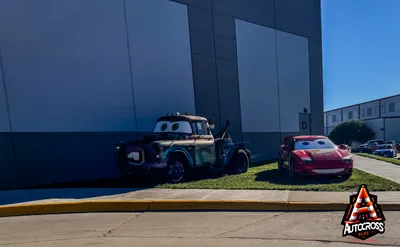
[{"x": 77, "y": 76}]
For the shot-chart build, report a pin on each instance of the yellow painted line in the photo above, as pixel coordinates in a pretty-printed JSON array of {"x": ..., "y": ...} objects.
[
  {"x": 317, "y": 206},
  {"x": 172, "y": 205},
  {"x": 74, "y": 207},
  {"x": 218, "y": 205}
]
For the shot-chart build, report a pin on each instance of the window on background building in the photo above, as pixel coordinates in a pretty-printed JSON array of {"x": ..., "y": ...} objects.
[
  {"x": 350, "y": 115},
  {"x": 333, "y": 118},
  {"x": 369, "y": 111},
  {"x": 392, "y": 107},
  {"x": 362, "y": 112},
  {"x": 376, "y": 110}
]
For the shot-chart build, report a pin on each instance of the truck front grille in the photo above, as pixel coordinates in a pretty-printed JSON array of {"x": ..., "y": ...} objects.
[{"x": 136, "y": 157}]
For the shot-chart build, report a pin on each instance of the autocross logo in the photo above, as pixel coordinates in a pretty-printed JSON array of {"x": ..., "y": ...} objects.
[{"x": 363, "y": 217}]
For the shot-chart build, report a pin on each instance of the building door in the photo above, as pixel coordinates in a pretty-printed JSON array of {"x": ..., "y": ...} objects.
[{"x": 304, "y": 124}]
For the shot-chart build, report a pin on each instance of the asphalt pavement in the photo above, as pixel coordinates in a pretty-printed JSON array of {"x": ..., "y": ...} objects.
[
  {"x": 182, "y": 229},
  {"x": 377, "y": 167}
]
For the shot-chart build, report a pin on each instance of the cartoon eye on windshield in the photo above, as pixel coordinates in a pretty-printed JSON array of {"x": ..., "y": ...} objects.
[
  {"x": 305, "y": 143},
  {"x": 175, "y": 127},
  {"x": 321, "y": 143},
  {"x": 164, "y": 127}
]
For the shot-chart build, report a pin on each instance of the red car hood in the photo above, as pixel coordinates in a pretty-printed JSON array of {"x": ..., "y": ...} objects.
[{"x": 322, "y": 154}]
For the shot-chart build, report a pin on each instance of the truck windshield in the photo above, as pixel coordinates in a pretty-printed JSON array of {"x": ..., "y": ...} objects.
[
  {"x": 181, "y": 127},
  {"x": 313, "y": 144}
]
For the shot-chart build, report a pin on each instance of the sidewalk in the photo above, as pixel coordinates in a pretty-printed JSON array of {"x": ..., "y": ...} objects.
[
  {"x": 28, "y": 202},
  {"x": 379, "y": 168}
]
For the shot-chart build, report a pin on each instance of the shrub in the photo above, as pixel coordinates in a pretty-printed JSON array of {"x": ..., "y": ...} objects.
[{"x": 349, "y": 131}]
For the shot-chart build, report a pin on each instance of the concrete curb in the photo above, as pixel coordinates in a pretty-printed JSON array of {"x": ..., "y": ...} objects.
[{"x": 173, "y": 205}]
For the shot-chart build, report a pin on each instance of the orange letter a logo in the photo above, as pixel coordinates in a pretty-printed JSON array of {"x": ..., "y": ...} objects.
[{"x": 363, "y": 217}]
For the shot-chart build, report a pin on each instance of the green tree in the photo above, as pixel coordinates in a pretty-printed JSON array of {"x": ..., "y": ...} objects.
[{"x": 349, "y": 131}]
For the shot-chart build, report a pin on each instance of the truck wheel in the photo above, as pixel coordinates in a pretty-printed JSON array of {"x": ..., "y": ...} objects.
[
  {"x": 175, "y": 171},
  {"x": 239, "y": 163}
]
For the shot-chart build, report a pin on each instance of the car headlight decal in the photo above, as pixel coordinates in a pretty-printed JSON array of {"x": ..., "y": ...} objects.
[
  {"x": 347, "y": 158},
  {"x": 307, "y": 160}
]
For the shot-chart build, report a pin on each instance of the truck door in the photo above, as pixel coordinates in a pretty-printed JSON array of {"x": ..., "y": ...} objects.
[{"x": 204, "y": 145}]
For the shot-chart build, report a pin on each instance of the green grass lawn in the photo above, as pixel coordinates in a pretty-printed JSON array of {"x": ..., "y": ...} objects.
[
  {"x": 267, "y": 177},
  {"x": 395, "y": 161}
]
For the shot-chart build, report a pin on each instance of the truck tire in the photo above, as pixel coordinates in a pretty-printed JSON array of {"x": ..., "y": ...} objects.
[
  {"x": 239, "y": 163},
  {"x": 176, "y": 171}
]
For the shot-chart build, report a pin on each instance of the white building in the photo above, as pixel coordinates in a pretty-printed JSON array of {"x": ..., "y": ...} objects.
[{"x": 381, "y": 115}]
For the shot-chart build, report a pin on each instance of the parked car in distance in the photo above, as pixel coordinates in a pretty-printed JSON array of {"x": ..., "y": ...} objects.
[
  {"x": 179, "y": 144},
  {"x": 363, "y": 148},
  {"x": 395, "y": 145},
  {"x": 386, "y": 150},
  {"x": 314, "y": 155},
  {"x": 373, "y": 144}
]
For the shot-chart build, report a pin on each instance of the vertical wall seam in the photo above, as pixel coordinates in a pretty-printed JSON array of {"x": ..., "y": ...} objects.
[
  {"x": 216, "y": 66},
  {"x": 13, "y": 148},
  {"x": 238, "y": 88},
  {"x": 3, "y": 77},
  {"x": 192, "y": 61},
  {"x": 309, "y": 85},
  {"x": 277, "y": 71},
  {"x": 130, "y": 65}
]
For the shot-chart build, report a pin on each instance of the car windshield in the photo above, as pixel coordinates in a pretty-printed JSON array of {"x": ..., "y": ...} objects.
[
  {"x": 181, "y": 127},
  {"x": 313, "y": 144},
  {"x": 385, "y": 147}
]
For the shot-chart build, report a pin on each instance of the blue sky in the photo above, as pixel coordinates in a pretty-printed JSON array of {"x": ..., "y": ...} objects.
[{"x": 361, "y": 50}]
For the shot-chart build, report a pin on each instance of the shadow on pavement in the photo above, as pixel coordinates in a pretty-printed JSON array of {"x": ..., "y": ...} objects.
[
  {"x": 104, "y": 187},
  {"x": 23, "y": 196},
  {"x": 276, "y": 177}
]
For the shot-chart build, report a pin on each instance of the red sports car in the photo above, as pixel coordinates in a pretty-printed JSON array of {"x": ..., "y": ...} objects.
[{"x": 314, "y": 155}]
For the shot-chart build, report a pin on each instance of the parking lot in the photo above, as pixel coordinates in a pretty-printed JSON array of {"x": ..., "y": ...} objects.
[{"x": 188, "y": 229}]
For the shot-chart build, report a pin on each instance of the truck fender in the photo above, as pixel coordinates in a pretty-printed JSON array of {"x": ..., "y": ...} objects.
[{"x": 181, "y": 152}]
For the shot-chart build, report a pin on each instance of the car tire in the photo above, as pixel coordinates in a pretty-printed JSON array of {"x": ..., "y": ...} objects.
[
  {"x": 280, "y": 163},
  {"x": 176, "y": 171},
  {"x": 347, "y": 176},
  {"x": 292, "y": 173},
  {"x": 239, "y": 163}
]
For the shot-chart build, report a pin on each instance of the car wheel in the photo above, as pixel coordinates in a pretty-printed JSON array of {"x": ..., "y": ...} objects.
[
  {"x": 347, "y": 176},
  {"x": 239, "y": 163},
  {"x": 280, "y": 163},
  {"x": 175, "y": 171},
  {"x": 292, "y": 172}
]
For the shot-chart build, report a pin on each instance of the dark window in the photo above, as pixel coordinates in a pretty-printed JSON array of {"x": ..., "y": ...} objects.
[
  {"x": 194, "y": 127},
  {"x": 291, "y": 144},
  {"x": 392, "y": 107},
  {"x": 333, "y": 118},
  {"x": 350, "y": 115},
  {"x": 369, "y": 111},
  {"x": 202, "y": 128}
]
